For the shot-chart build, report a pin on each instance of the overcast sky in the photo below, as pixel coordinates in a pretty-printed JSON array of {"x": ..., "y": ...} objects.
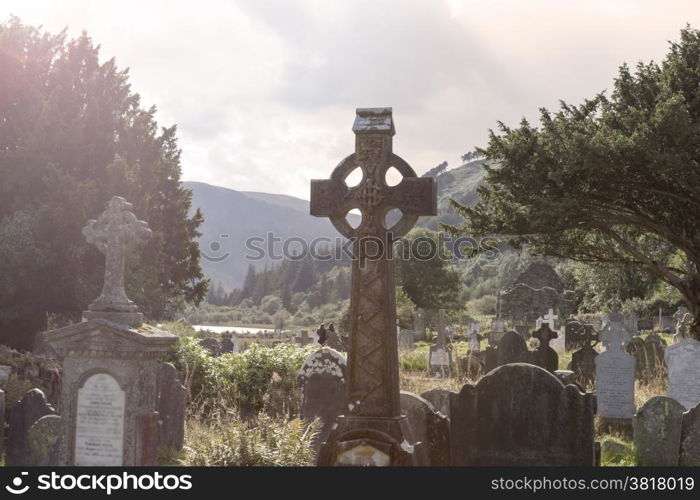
[{"x": 264, "y": 92}]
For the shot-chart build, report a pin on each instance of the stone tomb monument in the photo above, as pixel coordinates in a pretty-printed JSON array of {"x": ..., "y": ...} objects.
[
  {"x": 615, "y": 373},
  {"x": 111, "y": 361},
  {"x": 372, "y": 431},
  {"x": 522, "y": 415},
  {"x": 683, "y": 364}
]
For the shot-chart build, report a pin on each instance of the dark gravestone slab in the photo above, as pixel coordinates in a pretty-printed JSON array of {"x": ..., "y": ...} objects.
[
  {"x": 148, "y": 429},
  {"x": 211, "y": 345},
  {"x": 657, "y": 432},
  {"x": 544, "y": 356},
  {"x": 690, "y": 438},
  {"x": 322, "y": 379},
  {"x": 645, "y": 324},
  {"x": 226, "y": 343},
  {"x": 430, "y": 428},
  {"x": 512, "y": 349},
  {"x": 520, "y": 415},
  {"x": 583, "y": 365},
  {"x": 41, "y": 437},
  {"x": 30, "y": 408},
  {"x": 649, "y": 357},
  {"x": 440, "y": 399},
  {"x": 470, "y": 366},
  {"x": 573, "y": 334},
  {"x": 171, "y": 405},
  {"x": 490, "y": 357}
]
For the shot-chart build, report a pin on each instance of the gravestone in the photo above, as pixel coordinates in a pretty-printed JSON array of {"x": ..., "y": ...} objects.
[
  {"x": 172, "y": 406},
  {"x": 631, "y": 321},
  {"x": 22, "y": 416},
  {"x": 690, "y": 438},
  {"x": 303, "y": 338},
  {"x": 41, "y": 437},
  {"x": 511, "y": 349},
  {"x": 615, "y": 374},
  {"x": 474, "y": 341},
  {"x": 111, "y": 361},
  {"x": 645, "y": 324},
  {"x": 5, "y": 372},
  {"x": 498, "y": 328},
  {"x": 683, "y": 364},
  {"x": 440, "y": 399},
  {"x": 520, "y": 415},
  {"x": 657, "y": 432},
  {"x": 573, "y": 335},
  {"x": 322, "y": 379},
  {"x": 431, "y": 429},
  {"x": 226, "y": 343},
  {"x": 440, "y": 355},
  {"x": 406, "y": 340},
  {"x": 649, "y": 357},
  {"x": 373, "y": 430},
  {"x": 544, "y": 356},
  {"x": 211, "y": 345},
  {"x": 419, "y": 325},
  {"x": 470, "y": 366},
  {"x": 583, "y": 361}
]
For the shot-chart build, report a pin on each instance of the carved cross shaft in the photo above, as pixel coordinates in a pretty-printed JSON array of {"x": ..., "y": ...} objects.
[
  {"x": 372, "y": 355},
  {"x": 114, "y": 233}
]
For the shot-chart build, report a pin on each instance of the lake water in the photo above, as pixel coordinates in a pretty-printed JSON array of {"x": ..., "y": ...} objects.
[{"x": 234, "y": 329}]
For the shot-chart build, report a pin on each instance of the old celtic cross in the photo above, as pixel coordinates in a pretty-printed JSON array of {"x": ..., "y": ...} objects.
[
  {"x": 115, "y": 232},
  {"x": 372, "y": 430}
]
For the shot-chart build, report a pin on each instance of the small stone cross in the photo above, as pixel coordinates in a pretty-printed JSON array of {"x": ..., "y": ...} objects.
[
  {"x": 544, "y": 334},
  {"x": 115, "y": 232},
  {"x": 550, "y": 317}
]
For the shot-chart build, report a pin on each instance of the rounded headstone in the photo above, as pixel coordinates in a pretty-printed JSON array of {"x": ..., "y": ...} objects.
[
  {"x": 690, "y": 438},
  {"x": 41, "y": 437},
  {"x": 657, "y": 432}
]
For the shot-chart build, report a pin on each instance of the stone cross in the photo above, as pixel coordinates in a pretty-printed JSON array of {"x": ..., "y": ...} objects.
[
  {"x": 115, "y": 232},
  {"x": 544, "y": 335},
  {"x": 550, "y": 317},
  {"x": 443, "y": 322},
  {"x": 373, "y": 388}
]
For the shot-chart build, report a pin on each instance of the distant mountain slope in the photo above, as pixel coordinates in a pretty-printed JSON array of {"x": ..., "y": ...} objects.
[
  {"x": 459, "y": 183},
  {"x": 231, "y": 217}
]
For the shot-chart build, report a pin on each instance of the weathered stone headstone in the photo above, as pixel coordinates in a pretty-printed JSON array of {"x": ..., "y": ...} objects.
[
  {"x": 657, "y": 432},
  {"x": 645, "y": 324},
  {"x": 649, "y": 357},
  {"x": 335, "y": 342},
  {"x": 41, "y": 437},
  {"x": 615, "y": 374},
  {"x": 690, "y": 438},
  {"x": 5, "y": 372},
  {"x": 22, "y": 416},
  {"x": 440, "y": 356},
  {"x": 573, "y": 334},
  {"x": 440, "y": 399},
  {"x": 211, "y": 345},
  {"x": 474, "y": 341},
  {"x": 227, "y": 343},
  {"x": 519, "y": 415},
  {"x": 430, "y": 428},
  {"x": 512, "y": 349},
  {"x": 683, "y": 364},
  {"x": 303, "y": 339},
  {"x": 419, "y": 325},
  {"x": 583, "y": 361},
  {"x": 172, "y": 405},
  {"x": 544, "y": 356},
  {"x": 406, "y": 340},
  {"x": 371, "y": 433},
  {"x": 322, "y": 379},
  {"x": 470, "y": 366}
]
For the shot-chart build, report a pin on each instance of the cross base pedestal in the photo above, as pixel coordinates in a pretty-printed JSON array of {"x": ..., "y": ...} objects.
[
  {"x": 131, "y": 319},
  {"x": 370, "y": 441}
]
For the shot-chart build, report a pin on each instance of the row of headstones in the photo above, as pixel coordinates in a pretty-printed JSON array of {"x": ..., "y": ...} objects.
[
  {"x": 518, "y": 414},
  {"x": 34, "y": 426}
]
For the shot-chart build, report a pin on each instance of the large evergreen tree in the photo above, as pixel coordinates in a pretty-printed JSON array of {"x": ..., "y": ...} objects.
[
  {"x": 615, "y": 180},
  {"x": 72, "y": 135}
]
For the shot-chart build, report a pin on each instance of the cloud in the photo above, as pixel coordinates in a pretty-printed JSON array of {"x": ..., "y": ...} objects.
[{"x": 263, "y": 92}]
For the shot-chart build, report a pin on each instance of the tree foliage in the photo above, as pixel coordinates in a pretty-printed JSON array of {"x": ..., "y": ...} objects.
[
  {"x": 615, "y": 180},
  {"x": 72, "y": 135}
]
